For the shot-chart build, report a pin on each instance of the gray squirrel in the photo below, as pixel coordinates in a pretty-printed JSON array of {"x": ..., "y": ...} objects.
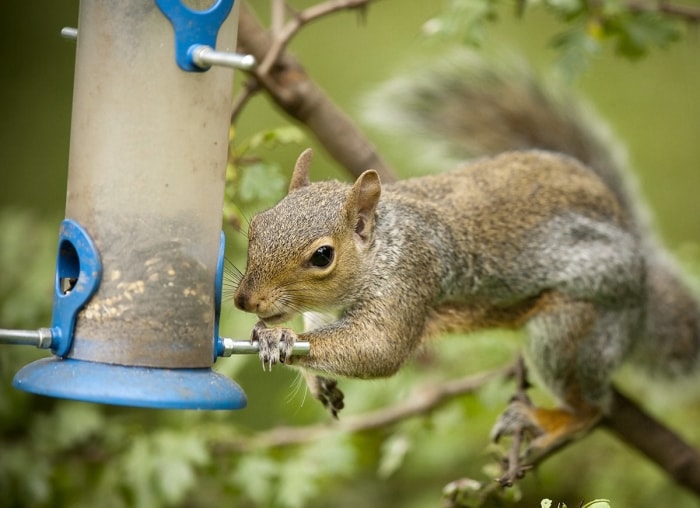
[{"x": 541, "y": 232}]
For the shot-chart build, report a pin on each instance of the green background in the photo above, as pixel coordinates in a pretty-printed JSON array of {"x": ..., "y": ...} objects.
[{"x": 653, "y": 105}]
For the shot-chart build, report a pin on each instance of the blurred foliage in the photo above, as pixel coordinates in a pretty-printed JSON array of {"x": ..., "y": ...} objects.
[
  {"x": 254, "y": 182},
  {"x": 57, "y": 453},
  {"x": 72, "y": 454},
  {"x": 586, "y": 27}
]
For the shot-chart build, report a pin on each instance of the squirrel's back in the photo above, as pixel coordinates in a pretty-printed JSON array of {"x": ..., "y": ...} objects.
[{"x": 470, "y": 108}]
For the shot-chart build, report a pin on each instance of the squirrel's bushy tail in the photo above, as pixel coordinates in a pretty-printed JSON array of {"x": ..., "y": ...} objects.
[{"x": 467, "y": 107}]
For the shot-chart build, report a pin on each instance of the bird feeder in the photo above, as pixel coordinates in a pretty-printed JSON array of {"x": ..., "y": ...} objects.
[{"x": 140, "y": 253}]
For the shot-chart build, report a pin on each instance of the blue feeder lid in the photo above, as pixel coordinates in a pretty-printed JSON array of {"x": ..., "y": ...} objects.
[{"x": 130, "y": 386}]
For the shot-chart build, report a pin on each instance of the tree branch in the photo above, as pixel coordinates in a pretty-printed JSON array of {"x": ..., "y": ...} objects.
[
  {"x": 295, "y": 93},
  {"x": 634, "y": 426},
  {"x": 654, "y": 440},
  {"x": 629, "y": 422},
  {"x": 687, "y": 13}
]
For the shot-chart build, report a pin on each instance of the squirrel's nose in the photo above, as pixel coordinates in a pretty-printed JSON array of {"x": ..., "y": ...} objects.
[{"x": 243, "y": 302}]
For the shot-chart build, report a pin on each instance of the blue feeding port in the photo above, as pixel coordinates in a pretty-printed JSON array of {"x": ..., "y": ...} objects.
[
  {"x": 194, "y": 28},
  {"x": 78, "y": 274},
  {"x": 130, "y": 386}
]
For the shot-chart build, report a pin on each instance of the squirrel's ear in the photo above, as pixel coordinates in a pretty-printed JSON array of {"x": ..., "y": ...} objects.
[
  {"x": 300, "y": 177},
  {"x": 363, "y": 201}
]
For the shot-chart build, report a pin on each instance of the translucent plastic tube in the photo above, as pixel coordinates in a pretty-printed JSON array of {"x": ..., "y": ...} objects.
[{"x": 146, "y": 180}]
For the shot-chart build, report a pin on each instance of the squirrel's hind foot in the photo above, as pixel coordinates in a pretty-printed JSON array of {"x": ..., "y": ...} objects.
[{"x": 544, "y": 430}]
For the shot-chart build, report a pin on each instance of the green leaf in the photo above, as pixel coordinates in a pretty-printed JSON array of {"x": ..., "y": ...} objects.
[
  {"x": 302, "y": 476},
  {"x": 597, "y": 503},
  {"x": 75, "y": 422},
  {"x": 255, "y": 476},
  {"x": 25, "y": 476},
  {"x": 137, "y": 468},
  {"x": 464, "y": 492},
  {"x": 178, "y": 455},
  {"x": 576, "y": 46},
  {"x": 298, "y": 483},
  {"x": 261, "y": 181},
  {"x": 27, "y": 262},
  {"x": 464, "y": 20},
  {"x": 637, "y": 33},
  {"x": 162, "y": 466},
  {"x": 394, "y": 450},
  {"x": 278, "y": 136},
  {"x": 566, "y": 9}
]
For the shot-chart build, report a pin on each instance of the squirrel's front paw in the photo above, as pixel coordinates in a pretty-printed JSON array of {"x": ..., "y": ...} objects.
[{"x": 275, "y": 344}]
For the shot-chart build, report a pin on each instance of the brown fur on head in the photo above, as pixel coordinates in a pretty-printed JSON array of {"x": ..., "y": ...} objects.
[{"x": 314, "y": 236}]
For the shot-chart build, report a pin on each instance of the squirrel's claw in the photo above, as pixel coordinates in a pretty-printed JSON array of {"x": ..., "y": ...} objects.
[
  {"x": 544, "y": 429},
  {"x": 275, "y": 344},
  {"x": 518, "y": 418}
]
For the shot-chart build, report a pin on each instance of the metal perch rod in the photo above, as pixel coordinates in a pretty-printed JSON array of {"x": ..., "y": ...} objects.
[
  {"x": 203, "y": 56},
  {"x": 42, "y": 338},
  {"x": 243, "y": 347}
]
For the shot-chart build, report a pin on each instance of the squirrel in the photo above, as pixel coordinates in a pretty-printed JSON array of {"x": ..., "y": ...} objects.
[{"x": 542, "y": 231}]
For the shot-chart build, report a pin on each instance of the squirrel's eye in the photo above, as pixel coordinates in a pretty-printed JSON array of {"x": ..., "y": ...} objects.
[{"x": 322, "y": 257}]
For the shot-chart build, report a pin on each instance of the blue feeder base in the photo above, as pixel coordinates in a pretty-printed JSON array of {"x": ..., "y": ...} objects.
[{"x": 130, "y": 386}]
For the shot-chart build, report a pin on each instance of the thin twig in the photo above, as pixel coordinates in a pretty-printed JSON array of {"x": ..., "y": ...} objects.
[
  {"x": 296, "y": 94},
  {"x": 284, "y": 34},
  {"x": 421, "y": 402},
  {"x": 688, "y": 13},
  {"x": 513, "y": 469},
  {"x": 250, "y": 88},
  {"x": 277, "y": 11}
]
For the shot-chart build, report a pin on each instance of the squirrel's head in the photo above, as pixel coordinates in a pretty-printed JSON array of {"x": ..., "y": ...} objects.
[{"x": 308, "y": 251}]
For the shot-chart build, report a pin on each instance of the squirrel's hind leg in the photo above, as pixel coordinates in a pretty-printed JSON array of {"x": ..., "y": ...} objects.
[{"x": 574, "y": 347}]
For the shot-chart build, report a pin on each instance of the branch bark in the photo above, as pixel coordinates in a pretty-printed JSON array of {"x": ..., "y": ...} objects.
[
  {"x": 287, "y": 83},
  {"x": 687, "y": 13},
  {"x": 657, "y": 442}
]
